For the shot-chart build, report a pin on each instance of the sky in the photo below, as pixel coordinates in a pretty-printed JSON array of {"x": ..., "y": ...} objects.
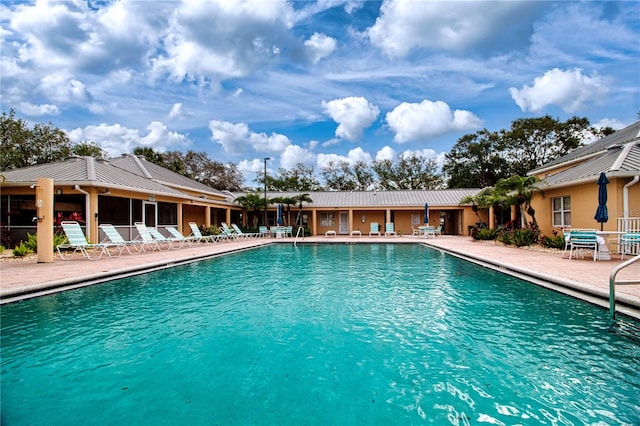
[{"x": 313, "y": 82}]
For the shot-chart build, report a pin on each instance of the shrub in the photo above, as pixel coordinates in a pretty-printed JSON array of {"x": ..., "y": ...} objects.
[
  {"x": 525, "y": 237},
  {"x": 2, "y": 249},
  {"x": 557, "y": 241},
  {"x": 21, "y": 250},
  {"x": 209, "y": 230},
  {"x": 485, "y": 234},
  {"x": 32, "y": 241}
]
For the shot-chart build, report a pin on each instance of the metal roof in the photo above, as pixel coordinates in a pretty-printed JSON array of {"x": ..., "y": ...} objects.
[
  {"x": 142, "y": 167},
  {"x": 618, "y": 157},
  {"x": 380, "y": 199},
  {"x": 621, "y": 137}
]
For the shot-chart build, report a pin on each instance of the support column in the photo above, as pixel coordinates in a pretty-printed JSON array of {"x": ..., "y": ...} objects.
[
  {"x": 207, "y": 216},
  {"x": 228, "y": 216},
  {"x": 350, "y": 221},
  {"x": 492, "y": 218},
  {"x": 92, "y": 227},
  {"x": 314, "y": 218},
  {"x": 44, "y": 212},
  {"x": 179, "y": 218}
]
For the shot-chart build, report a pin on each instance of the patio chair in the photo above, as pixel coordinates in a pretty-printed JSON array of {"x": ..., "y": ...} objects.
[
  {"x": 429, "y": 231},
  {"x": 177, "y": 235},
  {"x": 629, "y": 244},
  {"x": 264, "y": 231},
  {"x": 244, "y": 234},
  {"x": 226, "y": 232},
  {"x": 438, "y": 231},
  {"x": 583, "y": 240},
  {"x": 146, "y": 237},
  {"x": 78, "y": 242},
  {"x": 198, "y": 237},
  {"x": 114, "y": 237},
  {"x": 374, "y": 228},
  {"x": 389, "y": 229}
]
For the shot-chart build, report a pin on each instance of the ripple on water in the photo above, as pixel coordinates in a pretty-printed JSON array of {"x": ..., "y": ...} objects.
[{"x": 317, "y": 334}]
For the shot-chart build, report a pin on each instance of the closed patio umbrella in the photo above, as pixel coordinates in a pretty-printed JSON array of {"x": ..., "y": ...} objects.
[
  {"x": 280, "y": 220},
  {"x": 602, "y": 214},
  {"x": 426, "y": 213}
]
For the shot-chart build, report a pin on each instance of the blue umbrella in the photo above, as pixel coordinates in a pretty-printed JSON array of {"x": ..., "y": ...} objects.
[
  {"x": 426, "y": 213},
  {"x": 279, "y": 220},
  {"x": 602, "y": 214}
]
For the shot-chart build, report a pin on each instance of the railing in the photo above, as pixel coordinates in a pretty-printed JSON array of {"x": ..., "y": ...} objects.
[
  {"x": 295, "y": 240},
  {"x": 629, "y": 224},
  {"x": 613, "y": 283}
]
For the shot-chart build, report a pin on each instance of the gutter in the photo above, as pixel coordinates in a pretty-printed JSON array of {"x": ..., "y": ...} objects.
[{"x": 87, "y": 207}]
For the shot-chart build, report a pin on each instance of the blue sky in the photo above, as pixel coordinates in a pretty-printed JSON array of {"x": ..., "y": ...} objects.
[{"x": 313, "y": 82}]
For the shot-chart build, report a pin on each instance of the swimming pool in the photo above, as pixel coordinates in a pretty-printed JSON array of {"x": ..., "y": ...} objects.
[{"x": 318, "y": 334}]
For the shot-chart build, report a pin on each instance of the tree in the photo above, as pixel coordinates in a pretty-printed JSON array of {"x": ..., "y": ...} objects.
[
  {"x": 408, "y": 172},
  {"x": 519, "y": 190},
  {"x": 300, "y": 178},
  {"x": 89, "y": 149},
  {"x": 532, "y": 142},
  {"x": 21, "y": 146},
  {"x": 251, "y": 202},
  {"x": 197, "y": 166},
  {"x": 475, "y": 161},
  {"x": 341, "y": 176}
]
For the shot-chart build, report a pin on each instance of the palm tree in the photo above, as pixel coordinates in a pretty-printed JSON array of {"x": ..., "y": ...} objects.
[
  {"x": 301, "y": 198},
  {"x": 252, "y": 201},
  {"x": 519, "y": 191}
]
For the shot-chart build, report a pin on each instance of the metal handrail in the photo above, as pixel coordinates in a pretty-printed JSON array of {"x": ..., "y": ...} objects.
[
  {"x": 295, "y": 240},
  {"x": 613, "y": 282}
]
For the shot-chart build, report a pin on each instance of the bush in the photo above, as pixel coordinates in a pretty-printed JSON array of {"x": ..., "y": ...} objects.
[
  {"x": 209, "y": 230},
  {"x": 32, "y": 241},
  {"x": 484, "y": 234},
  {"x": 557, "y": 241},
  {"x": 2, "y": 249},
  {"x": 21, "y": 250},
  {"x": 525, "y": 237}
]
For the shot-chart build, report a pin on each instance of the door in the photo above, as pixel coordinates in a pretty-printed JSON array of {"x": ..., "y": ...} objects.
[
  {"x": 343, "y": 223},
  {"x": 149, "y": 214}
]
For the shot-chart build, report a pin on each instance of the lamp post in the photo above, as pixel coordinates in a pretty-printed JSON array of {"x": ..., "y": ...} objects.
[{"x": 265, "y": 191}]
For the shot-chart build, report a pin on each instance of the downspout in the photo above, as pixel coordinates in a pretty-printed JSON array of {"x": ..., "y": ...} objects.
[
  {"x": 625, "y": 199},
  {"x": 87, "y": 209}
]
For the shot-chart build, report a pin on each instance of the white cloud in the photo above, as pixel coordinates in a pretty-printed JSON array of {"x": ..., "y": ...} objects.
[
  {"x": 406, "y": 25},
  {"x": 116, "y": 139},
  {"x": 610, "y": 122},
  {"x": 354, "y": 114},
  {"x": 59, "y": 89},
  {"x": 294, "y": 154},
  {"x": 235, "y": 137},
  {"x": 176, "y": 110},
  {"x": 320, "y": 46},
  {"x": 386, "y": 153},
  {"x": 415, "y": 122},
  {"x": 252, "y": 166},
  {"x": 353, "y": 156},
  {"x": 38, "y": 110},
  {"x": 569, "y": 90}
]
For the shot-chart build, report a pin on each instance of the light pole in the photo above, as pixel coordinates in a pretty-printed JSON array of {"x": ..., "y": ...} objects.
[{"x": 266, "y": 203}]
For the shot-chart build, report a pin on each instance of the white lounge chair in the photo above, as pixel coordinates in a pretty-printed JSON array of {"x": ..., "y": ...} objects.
[
  {"x": 161, "y": 239},
  {"x": 78, "y": 242},
  {"x": 244, "y": 234},
  {"x": 374, "y": 228},
  {"x": 177, "y": 235},
  {"x": 146, "y": 237},
  {"x": 114, "y": 237},
  {"x": 198, "y": 237}
]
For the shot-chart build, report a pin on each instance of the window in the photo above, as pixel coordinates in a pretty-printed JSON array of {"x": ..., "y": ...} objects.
[
  {"x": 561, "y": 211},
  {"x": 415, "y": 219},
  {"x": 327, "y": 219}
]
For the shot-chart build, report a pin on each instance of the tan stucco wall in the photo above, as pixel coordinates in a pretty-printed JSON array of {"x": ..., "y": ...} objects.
[{"x": 584, "y": 202}]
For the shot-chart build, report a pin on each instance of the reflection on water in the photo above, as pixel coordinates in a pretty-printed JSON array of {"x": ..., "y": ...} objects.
[{"x": 321, "y": 334}]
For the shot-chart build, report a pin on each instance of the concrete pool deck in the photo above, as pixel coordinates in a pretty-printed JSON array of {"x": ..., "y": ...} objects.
[{"x": 582, "y": 278}]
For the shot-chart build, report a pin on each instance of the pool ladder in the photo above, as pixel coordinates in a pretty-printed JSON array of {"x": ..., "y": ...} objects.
[
  {"x": 628, "y": 327},
  {"x": 295, "y": 240}
]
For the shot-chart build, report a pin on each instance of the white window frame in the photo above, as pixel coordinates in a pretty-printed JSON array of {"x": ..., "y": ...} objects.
[
  {"x": 563, "y": 212},
  {"x": 327, "y": 219}
]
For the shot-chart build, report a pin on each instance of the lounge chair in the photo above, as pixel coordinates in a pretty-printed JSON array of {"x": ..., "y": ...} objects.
[
  {"x": 161, "y": 239},
  {"x": 244, "y": 234},
  {"x": 78, "y": 242},
  {"x": 198, "y": 237},
  {"x": 146, "y": 237},
  {"x": 439, "y": 230},
  {"x": 389, "y": 229},
  {"x": 374, "y": 228},
  {"x": 177, "y": 235},
  {"x": 264, "y": 231},
  {"x": 114, "y": 237}
]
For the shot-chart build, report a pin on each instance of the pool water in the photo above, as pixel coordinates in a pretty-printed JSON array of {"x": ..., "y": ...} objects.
[{"x": 316, "y": 334}]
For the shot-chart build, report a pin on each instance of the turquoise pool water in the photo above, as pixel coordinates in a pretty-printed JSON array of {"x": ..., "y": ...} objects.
[{"x": 321, "y": 334}]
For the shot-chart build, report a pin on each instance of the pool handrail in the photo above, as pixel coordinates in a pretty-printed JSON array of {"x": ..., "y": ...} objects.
[{"x": 613, "y": 282}]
